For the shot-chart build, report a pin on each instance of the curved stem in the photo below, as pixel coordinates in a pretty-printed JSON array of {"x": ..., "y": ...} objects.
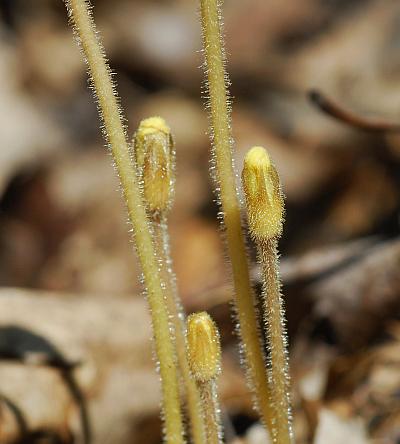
[
  {"x": 337, "y": 111},
  {"x": 226, "y": 178},
  {"x": 116, "y": 137}
]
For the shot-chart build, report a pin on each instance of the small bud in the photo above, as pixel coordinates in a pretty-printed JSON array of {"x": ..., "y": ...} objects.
[
  {"x": 154, "y": 153},
  {"x": 264, "y": 199},
  {"x": 204, "y": 350}
]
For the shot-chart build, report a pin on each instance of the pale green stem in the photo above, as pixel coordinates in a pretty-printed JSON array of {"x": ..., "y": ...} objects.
[
  {"x": 177, "y": 317},
  {"x": 211, "y": 411},
  {"x": 273, "y": 314},
  {"x": 111, "y": 114},
  {"x": 222, "y": 141}
]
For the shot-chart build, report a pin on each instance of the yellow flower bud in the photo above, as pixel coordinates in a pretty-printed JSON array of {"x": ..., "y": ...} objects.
[
  {"x": 154, "y": 154},
  {"x": 264, "y": 199},
  {"x": 204, "y": 350}
]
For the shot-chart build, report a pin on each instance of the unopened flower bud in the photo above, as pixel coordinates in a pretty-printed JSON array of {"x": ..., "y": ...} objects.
[
  {"x": 154, "y": 154},
  {"x": 264, "y": 199},
  {"x": 204, "y": 350}
]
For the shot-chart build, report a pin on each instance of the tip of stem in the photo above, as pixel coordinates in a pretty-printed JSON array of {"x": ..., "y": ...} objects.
[
  {"x": 258, "y": 157},
  {"x": 204, "y": 349},
  {"x": 263, "y": 194},
  {"x": 154, "y": 124}
]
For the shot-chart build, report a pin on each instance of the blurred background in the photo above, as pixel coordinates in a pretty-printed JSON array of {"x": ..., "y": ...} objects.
[{"x": 70, "y": 292}]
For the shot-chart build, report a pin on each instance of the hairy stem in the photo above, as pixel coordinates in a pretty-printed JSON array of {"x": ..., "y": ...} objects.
[
  {"x": 222, "y": 147},
  {"x": 177, "y": 317},
  {"x": 116, "y": 137},
  {"x": 204, "y": 356},
  {"x": 211, "y": 411},
  {"x": 276, "y": 339}
]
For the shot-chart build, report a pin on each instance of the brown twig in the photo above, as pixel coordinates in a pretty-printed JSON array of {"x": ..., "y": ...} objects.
[{"x": 333, "y": 109}]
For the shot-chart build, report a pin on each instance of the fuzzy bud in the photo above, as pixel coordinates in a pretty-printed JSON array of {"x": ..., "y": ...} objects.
[
  {"x": 154, "y": 152},
  {"x": 264, "y": 199},
  {"x": 204, "y": 349}
]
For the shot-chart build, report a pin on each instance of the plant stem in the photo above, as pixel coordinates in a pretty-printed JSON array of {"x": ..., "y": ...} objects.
[
  {"x": 265, "y": 210},
  {"x": 116, "y": 137},
  {"x": 222, "y": 149},
  {"x": 177, "y": 317},
  {"x": 204, "y": 357},
  {"x": 276, "y": 338},
  {"x": 211, "y": 411}
]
